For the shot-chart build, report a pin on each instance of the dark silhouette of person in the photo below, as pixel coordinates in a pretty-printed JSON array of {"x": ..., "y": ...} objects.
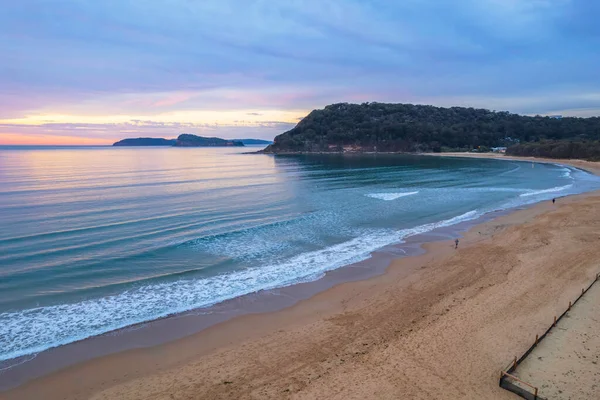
[
  {"x": 553, "y": 201},
  {"x": 456, "y": 243}
]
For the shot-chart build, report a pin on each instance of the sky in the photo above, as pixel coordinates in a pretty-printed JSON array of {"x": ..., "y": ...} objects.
[{"x": 93, "y": 72}]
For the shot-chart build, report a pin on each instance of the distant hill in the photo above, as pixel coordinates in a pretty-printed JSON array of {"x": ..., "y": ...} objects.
[
  {"x": 254, "y": 141},
  {"x": 145, "y": 142},
  {"x": 381, "y": 127},
  {"x": 183, "y": 140},
  {"x": 187, "y": 140}
]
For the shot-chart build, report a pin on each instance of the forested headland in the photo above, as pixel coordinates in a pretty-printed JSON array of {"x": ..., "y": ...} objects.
[{"x": 383, "y": 127}]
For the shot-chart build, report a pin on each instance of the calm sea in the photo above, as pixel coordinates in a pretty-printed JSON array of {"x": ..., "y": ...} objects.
[{"x": 94, "y": 239}]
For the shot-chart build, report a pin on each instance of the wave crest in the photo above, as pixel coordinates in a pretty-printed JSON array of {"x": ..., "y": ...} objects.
[
  {"x": 389, "y": 196},
  {"x": 34, "y": 330},
  {"x": 551, "y": 190}
]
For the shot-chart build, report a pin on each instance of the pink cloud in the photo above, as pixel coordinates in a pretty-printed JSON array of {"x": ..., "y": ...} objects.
[{"x": 173, "y": 99}]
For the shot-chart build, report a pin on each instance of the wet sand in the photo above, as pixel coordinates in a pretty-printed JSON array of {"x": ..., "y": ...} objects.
[{"x": 437, "y": 325}]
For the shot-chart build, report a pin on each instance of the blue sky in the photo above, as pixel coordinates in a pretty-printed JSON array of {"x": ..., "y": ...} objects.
[{"x": 97, "y": 71}]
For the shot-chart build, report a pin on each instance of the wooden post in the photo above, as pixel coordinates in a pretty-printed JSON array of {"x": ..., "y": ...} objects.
[
  {"x": 555, "y": 320},
  {"x": 515, "y": 363},
  {"x": 582, "y": 291},
  {"x": 569, "y": 305},
  {"x": 536, "y": 339},
  {"x": 535, "y": 392},
  {"x": 520, "y": 381}
]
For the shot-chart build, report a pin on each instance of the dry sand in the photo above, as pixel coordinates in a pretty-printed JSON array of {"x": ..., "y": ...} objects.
[
  {"x": 566, "y": 364},
  {"x": 437, "y": 326}
]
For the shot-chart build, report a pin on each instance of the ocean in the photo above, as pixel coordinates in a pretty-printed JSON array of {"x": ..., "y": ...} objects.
[{"x": 100, "y": 238}]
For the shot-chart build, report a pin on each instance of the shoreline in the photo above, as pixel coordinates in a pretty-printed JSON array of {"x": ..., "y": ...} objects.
[
  {"x": 592, "y": 167},
  {"x": 180, "y": 325},
  {"x": 376, "y": 269}
]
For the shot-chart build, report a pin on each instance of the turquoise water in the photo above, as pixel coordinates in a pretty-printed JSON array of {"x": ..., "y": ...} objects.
[{"x": 94, "y": 239}]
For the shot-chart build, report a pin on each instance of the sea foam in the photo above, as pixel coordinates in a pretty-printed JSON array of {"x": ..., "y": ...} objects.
[
  {"x": 34, "y": 330},
  {"x": 389, "y": 196}
]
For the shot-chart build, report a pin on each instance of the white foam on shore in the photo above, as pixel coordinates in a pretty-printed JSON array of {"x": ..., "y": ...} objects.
[
  {"x": 20, "y": 362},
  {"x": 544, "y": 191},
  {"x": 34, "y": 330},
  {"x": 389, "y": 196}
]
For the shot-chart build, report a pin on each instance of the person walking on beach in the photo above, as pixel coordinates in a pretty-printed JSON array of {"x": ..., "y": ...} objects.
[
  {"x": 553, "y": 201},
  {"x": 456, "y": 243}
]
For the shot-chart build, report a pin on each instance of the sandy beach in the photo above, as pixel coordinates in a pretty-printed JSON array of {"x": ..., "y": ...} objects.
[
  {"x": 439, "y": 325},
  {"x": 565, "y": 362},
  {"x": 590, "y": 166}
]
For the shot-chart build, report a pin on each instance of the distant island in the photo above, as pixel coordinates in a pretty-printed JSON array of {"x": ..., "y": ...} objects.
[
  {"x": 249, "y": 142},
  {"x": 383, "y": 127},
  {"x": 188, "y": 140},
  {"x": 146, "y": 142}
]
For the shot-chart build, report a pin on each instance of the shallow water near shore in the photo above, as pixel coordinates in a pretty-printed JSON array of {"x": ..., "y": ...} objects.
[
  {"x": 17, "y": 371},
  {"x": 99, "y": 239}
]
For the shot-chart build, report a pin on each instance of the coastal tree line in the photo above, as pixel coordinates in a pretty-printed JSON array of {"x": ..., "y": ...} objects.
[
  {"x": 385, "y": 127},
  {"x": 581, "y": 149}
]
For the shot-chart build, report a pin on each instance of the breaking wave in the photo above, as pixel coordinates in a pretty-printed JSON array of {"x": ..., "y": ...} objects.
[
  {"x": 551, "y": 190},
  {"x": 34, "y": 330},
  {"x": 389, "y": 196}
]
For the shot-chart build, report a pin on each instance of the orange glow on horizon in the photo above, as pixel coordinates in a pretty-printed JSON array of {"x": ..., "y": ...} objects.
[
  {"x": 33, "y": 129},
  {"x": 219, "y": 118},
  {"x": 13, "y": 139}
]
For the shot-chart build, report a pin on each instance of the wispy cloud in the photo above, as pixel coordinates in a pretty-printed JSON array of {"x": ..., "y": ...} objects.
[{"x": 257, "y": 57}]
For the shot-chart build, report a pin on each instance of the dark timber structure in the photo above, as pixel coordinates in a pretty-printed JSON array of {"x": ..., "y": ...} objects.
[{"x": 513, "y": 384}]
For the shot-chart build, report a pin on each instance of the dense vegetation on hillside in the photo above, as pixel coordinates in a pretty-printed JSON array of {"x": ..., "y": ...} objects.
[
  {"x": 187, "y": 140},
  {"x": 582, "y": 149},
  {"x": 145, "y": 142},
  {"x": 417, "y": 128},
  {"x": 183, "y": 140}
]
